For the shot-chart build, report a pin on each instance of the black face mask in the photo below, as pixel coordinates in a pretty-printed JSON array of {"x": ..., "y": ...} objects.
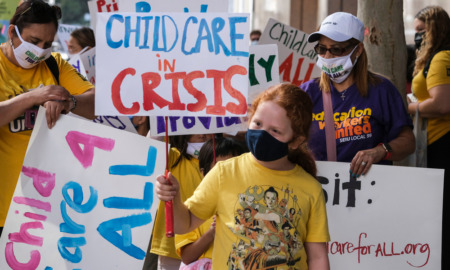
[{"x": 418, "y": 37}]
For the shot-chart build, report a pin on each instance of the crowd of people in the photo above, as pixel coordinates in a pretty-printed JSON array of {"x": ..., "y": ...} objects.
[{"x": 228, "y": 216}]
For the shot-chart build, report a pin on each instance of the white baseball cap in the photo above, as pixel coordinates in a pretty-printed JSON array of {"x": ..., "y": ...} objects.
[{"x": 340, "y": 26}]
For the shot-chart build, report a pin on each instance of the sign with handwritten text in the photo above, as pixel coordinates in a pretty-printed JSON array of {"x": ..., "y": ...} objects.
[
  {"x": 64, "y": 31},
  {"x": 196, "y": 125},
  {"x": 75, "y": 61},
  {"x": 84, "y": 200},
  {"x": 262, "y": 69},
  {"x": 173, "y": 5},
  {"x": 88, "y": 60},
  {"x": 389, "y": 219},
  {"x": 172, "y": 64},
  {"x": 297, "y": 56},
  {"x": 98, "y": 6}
]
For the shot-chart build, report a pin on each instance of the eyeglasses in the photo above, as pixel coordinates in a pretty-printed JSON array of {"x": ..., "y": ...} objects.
[{"x": 336, "y": 51}]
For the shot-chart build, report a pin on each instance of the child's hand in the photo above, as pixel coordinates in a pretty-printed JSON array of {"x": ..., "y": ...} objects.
[{"x": 164, "y": 190}]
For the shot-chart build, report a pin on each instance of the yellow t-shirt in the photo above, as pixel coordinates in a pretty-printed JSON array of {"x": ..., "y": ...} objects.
[
  {"x": 438, "y": 74},
  {"x": 189, "y": 176},
  {"x": 14, "y": 137},
  {"x": 182, "y": 240},
  {"x": 263, "y": 216}
]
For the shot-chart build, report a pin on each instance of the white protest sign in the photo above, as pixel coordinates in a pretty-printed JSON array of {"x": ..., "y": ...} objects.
[
  {"x": 173, "y": 5},
  {"x": 75, "y": 61},
  {"x": 196, "y": 125},
  {"x": 97, "y": 6},
  {"x": 263, "y": 69},
  {"x": 389, "y": 219},
  {"x": 64, "y": 31},
  {"x": 84, "y": 199},
  {"x": 88, "y": 60},
  {"x": 297, "y": 57},
  {"x": 172, "y": 64}
]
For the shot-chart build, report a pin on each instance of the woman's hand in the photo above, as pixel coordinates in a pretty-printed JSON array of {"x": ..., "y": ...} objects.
[
  {"x": 164, "y": 190},
  {"x": 50, "y": 93},
  {"x": 364, "y": 159},
  {"x": 54, "y": 110}
]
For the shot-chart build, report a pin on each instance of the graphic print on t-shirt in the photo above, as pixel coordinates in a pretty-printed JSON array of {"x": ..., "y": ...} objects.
[
  {"x": 266, "y": 222},
  {"x": 25, "y": 121},
  {"x": 351, "y": 125}
]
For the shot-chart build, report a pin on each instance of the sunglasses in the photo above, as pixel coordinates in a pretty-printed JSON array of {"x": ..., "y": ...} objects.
[{"x": 336, "y": 51}]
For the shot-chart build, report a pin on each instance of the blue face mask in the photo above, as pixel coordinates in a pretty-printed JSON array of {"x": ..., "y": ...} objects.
[{"x": 264, "y": 146}]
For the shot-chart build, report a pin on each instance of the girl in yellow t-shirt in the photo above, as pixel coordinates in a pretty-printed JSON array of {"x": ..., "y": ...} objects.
[
  {"x": 251, "y": 195},
  {"x": 195, "y": 248}
]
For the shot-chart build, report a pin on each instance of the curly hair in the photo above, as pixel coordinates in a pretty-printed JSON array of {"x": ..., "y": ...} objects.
[{"x": 298, "y": 106}]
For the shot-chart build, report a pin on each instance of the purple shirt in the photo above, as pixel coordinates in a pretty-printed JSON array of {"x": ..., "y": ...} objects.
[{"x": 361, "y": 122}]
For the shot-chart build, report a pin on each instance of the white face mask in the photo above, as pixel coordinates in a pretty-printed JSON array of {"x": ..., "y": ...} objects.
[
  {"x": 193, "y": 149},
  {"x": 29, "y": 55},
  {"x": 337, "y": 68}
]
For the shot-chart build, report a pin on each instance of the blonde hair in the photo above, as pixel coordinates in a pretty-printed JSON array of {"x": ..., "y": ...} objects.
[{"x": 437, "y": 35}]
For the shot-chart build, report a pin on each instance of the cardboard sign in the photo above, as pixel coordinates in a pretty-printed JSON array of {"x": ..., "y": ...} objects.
[
  {"x": 196, "y": 125},
  {"x": 64, "y": 31},
  {"x": 173, "y": 5},
  {"x": 389, "y": 219},
  {"x": 262, "y": 69},
  {"x": 98, "y": 6},
  {"x": 297, "y": 56},
  {"x": 84, "y": 199},
  {"x": 174, "y": 64},
  {"x": 88, "y": 60},
  {"x": 75, "y": 61}
]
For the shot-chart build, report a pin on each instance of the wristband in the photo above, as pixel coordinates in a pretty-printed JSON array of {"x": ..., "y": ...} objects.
[
  {"x": 74, "y": 101},
  {"x": 388, "y": 150}
]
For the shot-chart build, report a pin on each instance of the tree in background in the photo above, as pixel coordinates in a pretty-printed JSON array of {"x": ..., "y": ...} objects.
[
  {"x": 385, "y": 39},
  {"x": 73, "y": 11}
]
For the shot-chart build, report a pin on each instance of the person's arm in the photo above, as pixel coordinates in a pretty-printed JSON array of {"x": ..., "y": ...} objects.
[
  {"x": 402, "y": 146},
  {"x": 437, "y": 105},
  {"x": 16, "y": 106},
  {"x": 184, "y": 221},
  {"x": 317, "y": 256},
  {"x": 194, "y": 250},
  {"x": 82, "y": 105}
]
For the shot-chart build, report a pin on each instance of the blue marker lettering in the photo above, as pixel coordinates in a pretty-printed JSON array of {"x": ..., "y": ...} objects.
[
  {"x": 129, "y": 30},
  {"x": 235, "y": 36},
  {"x": 206, "y": 121},
  {"x": 76, "y": 203},
  {"x": 65, "y": 242},
  {"x": 109, "y": 41},
  {"x": 217, "y": 25},
  {"x": 142, "y": 170},
  {"x": 132, "y": 203},
  {"x": 109, "y": 230},
  {"x": 143, "y": 7}
]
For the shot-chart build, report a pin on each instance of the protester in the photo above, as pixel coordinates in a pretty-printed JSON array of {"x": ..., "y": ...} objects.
[
  {"x": 277, "y": 175},
  {"x": 431, "y": 86},
  {"x": 254, "y": 37},
  {"x": 371, "y": 124},
  {"x": 195, "y": 248},
  {"x": 183, "y": 164},
  {"x": 27, "y": 80},
  {"x": 81, "y": 40}
]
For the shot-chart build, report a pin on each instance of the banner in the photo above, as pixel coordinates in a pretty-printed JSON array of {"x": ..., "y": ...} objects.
[
  {"x": 172, "y": 64},
  {"x": 173, "y": 5},
  {"x": 84, "y": 200},
  {"x": 7, "y": 9},
  {"x": 263, "y": 69},
  {"x": 64, "y": 31},
  {"x": 389, "y": 219},
  {"x": 196, "y": 125},
  {"x": 297, "y": 56}
]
